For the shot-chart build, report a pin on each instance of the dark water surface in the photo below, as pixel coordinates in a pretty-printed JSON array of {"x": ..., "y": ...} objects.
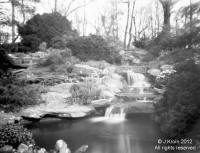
[{"x": 136, "y": 134}]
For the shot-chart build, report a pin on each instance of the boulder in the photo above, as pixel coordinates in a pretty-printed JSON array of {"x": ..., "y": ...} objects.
[
  {"x": 42, "y": 150},
  {"x": 154, "y": 72},
  {"x": 58, "y": 111},
  {"x": 43, "y": 46},
  {"x": 61, "y": 147},
  {"x": 167, "y": 67},
  {"x": 22, "y": 148},
  {"x": 97, "y": 64},
  {"x": 101, "y": 102},
  {"x": 82, "y": 149},
  {"x": 110, "y": 85},
  {"x": 122, "y": 52},
  {"x": 6, "y": 149},
  {"x": 86, "y": 70}
]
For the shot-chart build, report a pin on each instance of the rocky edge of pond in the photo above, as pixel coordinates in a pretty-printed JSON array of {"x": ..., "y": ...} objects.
[
  {"x": 55, "y": 99},
  {"x": 60, "y": 147}
]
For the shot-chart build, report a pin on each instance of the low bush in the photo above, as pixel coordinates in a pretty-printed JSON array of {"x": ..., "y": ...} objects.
[
  {"x": 93, "y": 48},
  {"x": 59, "y": 61},
  {"x": 60, "y": 42},
  {"x": 14, "y": 97},
  {"x": 15, "y": 94},
  {"x": 179, "y": 55},
  {"x": 53, "y": 59},
  {"x": 14, "y": 135},
  {"x": 84, "y": 93}
]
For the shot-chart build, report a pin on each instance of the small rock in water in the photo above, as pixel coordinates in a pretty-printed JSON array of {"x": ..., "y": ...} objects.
[
  {"x": 6, "y": 149},
  {"x": 22, "y": 148},
  {"x": 42, "y": 150},
  {"x": 61, "y": 147},
  {"x": 82, "y": 149}
]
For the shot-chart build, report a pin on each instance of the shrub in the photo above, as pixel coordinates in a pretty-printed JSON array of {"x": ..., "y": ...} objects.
[
  {"x": 43, "y": 28},
  {"x": 179, "y": 108},
  {"x": 93, "y": 48},
  {"x": 15, "y": 94},
  {"x": 59, "y": 61},
  {"x": 84, "y": 93},
  {"x": 14, "y": 135},
  {"x": 179, "y": 55},
  {"x": 60, "y": 42},
  {"x": 14, "y": 97},
  {"x": 12, "y": 48},
  {"x": 53, "y": 59}
]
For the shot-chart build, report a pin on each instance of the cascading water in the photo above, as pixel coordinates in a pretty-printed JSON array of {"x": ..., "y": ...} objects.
[
  {"x": 115, "y": 112},
  {"x": 137, "y": 81}
]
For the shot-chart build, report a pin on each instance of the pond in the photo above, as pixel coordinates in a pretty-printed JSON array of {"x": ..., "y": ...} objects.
[
  {"x": 136, "y": 134},
  {"x": 116, "y": 132}
]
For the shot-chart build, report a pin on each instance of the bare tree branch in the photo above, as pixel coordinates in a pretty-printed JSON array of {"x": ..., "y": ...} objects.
[
  {"x": 78, "y": 7},
  {"x": 69, "y": 7}
]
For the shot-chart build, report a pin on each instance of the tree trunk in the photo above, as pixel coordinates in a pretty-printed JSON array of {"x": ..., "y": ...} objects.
[
  {"x": 131, "y": 25},
  {"x": 13, "y": 22},
  {"x": 135, "y": 29},
  {"x": 126, "y": 29},
  {"x": 157, "y": 18},
  {"x": 191, "y": 16},
  {"x": 23, "y": 12},
  {"x": 116, "y": 21},
  {"x": 166, "y": 4},
  {"x": 84, "y": 19},
  {"x": 55, "y": 7}
]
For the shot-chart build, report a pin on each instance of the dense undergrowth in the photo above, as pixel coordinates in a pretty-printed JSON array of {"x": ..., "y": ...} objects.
[
  {"x": 178, "y": 110},
  {"x": 14, "y": 135},
  {"x": 15, "y": 94}
]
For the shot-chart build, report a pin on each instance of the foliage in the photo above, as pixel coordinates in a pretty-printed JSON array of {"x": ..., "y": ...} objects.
[
  {"x": 179, "y": 108},
  {"x": 93, "y": 48},
  {"x": 15, "y": 94},
  {"x": 59, "y": 61},
  {"x": 179, "y": 55},
  {"x": 188, "y": 39},
  {"x": 84, "y": 93},
  {"x": 43, "y": 28},
  {"x": 12, "y": 48},
  {"x": 53, "y": 59},
  {"x": 185, "y": 36},
  {"x": 14, "y": 135},
  {"x": 60, "y": 42}
]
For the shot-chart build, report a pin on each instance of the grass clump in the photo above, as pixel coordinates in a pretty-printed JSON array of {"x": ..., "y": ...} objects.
[
  {"x": 84, "y": 93},
  {"x": 15, "y": 95}
]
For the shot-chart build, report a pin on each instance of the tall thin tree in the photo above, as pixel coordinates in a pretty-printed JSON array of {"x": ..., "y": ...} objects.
[
  {"x": 131, "y": 25},
  {"x": 127, "y": 23},
  {"x": 55, "y": 5}
]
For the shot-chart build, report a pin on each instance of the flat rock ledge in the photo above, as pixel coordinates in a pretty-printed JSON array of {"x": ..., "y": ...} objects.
[{"x": 70, "y": 112}]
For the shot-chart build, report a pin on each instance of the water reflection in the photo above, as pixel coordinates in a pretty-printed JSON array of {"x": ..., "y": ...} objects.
[
  {"x": 133, "y": 135},
  {"x": 136, "y": 134}
]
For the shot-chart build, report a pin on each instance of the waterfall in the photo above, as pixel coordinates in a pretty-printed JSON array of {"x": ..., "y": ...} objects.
[
  {"x": 115, "y": 112},
  {"x": 136, "y": 79},
  {"x": 137, "y": 84}
]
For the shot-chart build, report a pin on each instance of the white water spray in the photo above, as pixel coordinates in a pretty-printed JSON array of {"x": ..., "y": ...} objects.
[{"x": 115, "y": 112}]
